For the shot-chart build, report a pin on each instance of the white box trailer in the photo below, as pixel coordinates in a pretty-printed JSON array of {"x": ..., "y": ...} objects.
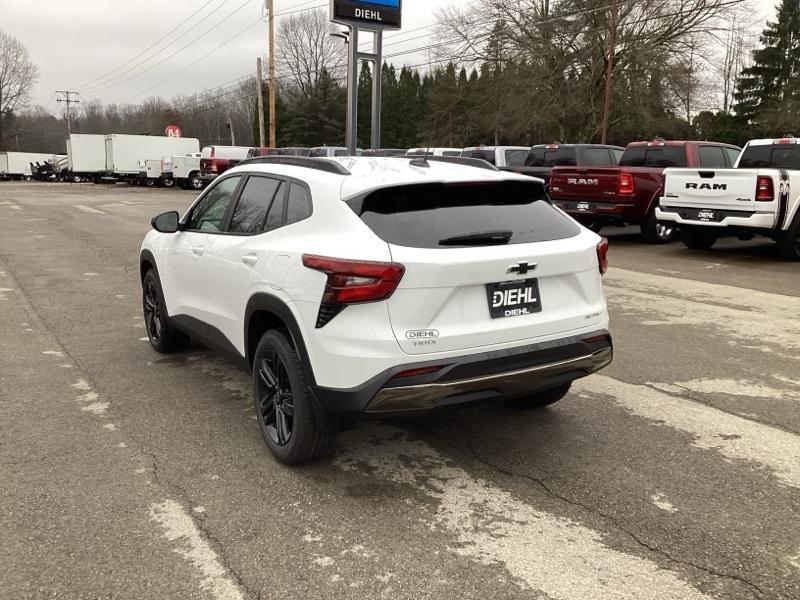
[
  {"x": 125, "y": 152},
  {"x": 17, "y": 165},
  {"x": 86, "y": 156}
]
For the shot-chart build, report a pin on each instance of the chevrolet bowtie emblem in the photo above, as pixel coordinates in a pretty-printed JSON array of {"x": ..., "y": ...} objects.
[{"x": 522, "y": 268}]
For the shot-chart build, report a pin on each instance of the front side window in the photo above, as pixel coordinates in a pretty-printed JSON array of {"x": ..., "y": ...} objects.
[
  {"x": 209, "y": 213},
  {"x": 251, "y": 210}
]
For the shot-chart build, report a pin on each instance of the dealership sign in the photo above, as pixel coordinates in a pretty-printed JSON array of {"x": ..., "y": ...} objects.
[{"x": 365, "y": 13}]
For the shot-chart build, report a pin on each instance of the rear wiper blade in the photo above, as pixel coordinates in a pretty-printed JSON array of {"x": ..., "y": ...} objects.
[{"x": 481, "y": 238}]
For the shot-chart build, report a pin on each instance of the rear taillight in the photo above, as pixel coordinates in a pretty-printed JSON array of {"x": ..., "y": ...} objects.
[
  {"x": 352, "y": 282},
  {"x": 625, "y": 187},
  {"x": 765, "y": 192},
  {"x": 602, "y": 255}
]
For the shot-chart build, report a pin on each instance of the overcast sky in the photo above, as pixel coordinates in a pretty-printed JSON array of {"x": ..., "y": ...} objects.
[{"x": 75, "y": 43}]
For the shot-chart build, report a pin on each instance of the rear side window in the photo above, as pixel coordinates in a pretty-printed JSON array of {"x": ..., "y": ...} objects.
[
  {"x": 451, "y": 153},
  {"x": 617, "y": 155},
  {"x": 711, "y": 157},
  {"x": 298, "y": 206},
  {"x": 773, "y": 156},
  {"x": 551, "y": 157},
  {"x": 340, "y": 153},
  {"x": 254, "y": 202},
  {"x": 661, "y": 157},
  {"x": 597, "y": 157},
  {"x": 318, "y": 152},
  {"x": 439, "y": 215}
]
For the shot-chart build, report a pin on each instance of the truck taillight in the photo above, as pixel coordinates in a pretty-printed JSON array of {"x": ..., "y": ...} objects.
[
  {"x": 602, "y": 255},
  {"x": 625, "y": 184},
  {"x": 765, "y": 192},
  {"x": 352, "y": 282}
]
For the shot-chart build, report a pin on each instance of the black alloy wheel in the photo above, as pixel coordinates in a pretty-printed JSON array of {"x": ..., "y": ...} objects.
[
  {"x": 153, "y": 315},
  {"x": 275, "y": 402}
]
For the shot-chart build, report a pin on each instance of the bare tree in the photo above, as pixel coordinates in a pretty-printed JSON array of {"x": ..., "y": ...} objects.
[
  {"x": 17, "y": 77},
  {"x": 305, "y": 49}
]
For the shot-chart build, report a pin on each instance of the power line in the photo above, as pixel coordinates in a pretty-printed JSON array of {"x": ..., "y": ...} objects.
[
  {"x": 172, "y": 55},
  {"x": 151, "y": 46}
]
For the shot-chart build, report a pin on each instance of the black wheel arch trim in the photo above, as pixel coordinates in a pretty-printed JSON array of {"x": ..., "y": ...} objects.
[
  {"x": 276, "y": 306},
  {"x": 145, "y": 256}
]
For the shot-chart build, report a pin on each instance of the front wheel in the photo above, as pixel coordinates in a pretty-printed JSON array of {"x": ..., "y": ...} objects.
[
  {"x": 163, "y": 336},
  {"x": 698, "y": 238},
  {"x": 541, "y": 399},
  {"x": 168, "y": 182},
  {"x": 655, "y": 231},
  {"x": 283, "y": 403}
]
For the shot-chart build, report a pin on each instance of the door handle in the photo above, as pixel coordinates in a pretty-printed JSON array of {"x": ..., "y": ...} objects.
[
  {"x": 198, "y": 250},
  {"x": 250, "y": 259}
]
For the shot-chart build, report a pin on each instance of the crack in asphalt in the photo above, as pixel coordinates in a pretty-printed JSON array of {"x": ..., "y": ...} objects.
[
  {"x": 613, "y": 520},
  {"x": 215, "y": 544}
]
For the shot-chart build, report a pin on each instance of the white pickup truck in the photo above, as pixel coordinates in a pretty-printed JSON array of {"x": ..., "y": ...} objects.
[{"x": 759, "y": 196}]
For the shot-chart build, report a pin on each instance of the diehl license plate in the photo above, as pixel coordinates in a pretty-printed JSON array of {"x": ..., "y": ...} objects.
[{"x": 513, "y": 298}]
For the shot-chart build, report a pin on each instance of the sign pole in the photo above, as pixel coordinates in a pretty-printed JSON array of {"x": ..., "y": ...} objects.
[
  {"x": 377, "y": 83},
  {"x": 260, "y": 84},
  {"x": 351, "y": 134}
]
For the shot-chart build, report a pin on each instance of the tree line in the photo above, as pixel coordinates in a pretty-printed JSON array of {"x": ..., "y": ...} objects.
[{"x": 501, "y": 72}]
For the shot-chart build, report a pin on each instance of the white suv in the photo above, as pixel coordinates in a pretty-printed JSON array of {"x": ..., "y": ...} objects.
[{"x": 378, "y": 287}]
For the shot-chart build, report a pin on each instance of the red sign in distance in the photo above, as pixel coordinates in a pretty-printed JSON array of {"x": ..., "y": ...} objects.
[{"x": 172, "y": 131}]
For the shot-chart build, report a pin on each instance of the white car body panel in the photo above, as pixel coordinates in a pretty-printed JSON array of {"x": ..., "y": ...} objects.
[{"x": 441, "y": 289}]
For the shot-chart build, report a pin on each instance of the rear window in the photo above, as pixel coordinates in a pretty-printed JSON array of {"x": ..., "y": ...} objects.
[
  {"x": 661, "y": 157},
  {"x": 487, "y": 155},
  {"x": 516, "y": 157},
  {"x": 439, "y": 215},
  {"x": 598, "y": 157},
  {"x": 551, "y": 157},
  {"x": 774, "y": 156}
]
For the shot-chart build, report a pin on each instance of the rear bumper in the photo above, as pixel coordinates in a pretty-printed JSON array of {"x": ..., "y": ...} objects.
[
  {"x": 716, "y": 217},
  {"x": 471, "y": 379},
  {"x": 590, "y": 209}
]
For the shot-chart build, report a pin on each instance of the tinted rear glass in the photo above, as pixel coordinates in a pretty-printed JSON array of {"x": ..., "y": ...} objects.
[
  {"x": 516, "y": 158},
  {"x": 597, "y": 157},
  {"x": 660, "y": 157},
  {"x": 551, "y": 157},
  {"x": 776, "y": 156},
  {"x": 434, "y": 215},
  {"x": 487, "y": 155}
]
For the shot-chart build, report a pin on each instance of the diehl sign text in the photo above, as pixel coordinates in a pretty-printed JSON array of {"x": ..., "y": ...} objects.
[{"x": 384, "y": 13}]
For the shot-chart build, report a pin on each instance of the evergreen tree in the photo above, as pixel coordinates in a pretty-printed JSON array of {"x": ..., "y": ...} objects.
[
  {"x": 364, "y": 105},
  {"x": 768, "y": 93}
]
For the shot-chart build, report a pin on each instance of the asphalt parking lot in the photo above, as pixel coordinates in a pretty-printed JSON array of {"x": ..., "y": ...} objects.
[{"x": 675, "y": 473}]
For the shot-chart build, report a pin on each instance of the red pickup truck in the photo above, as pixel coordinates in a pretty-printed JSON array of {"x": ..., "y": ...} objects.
[{"x": 628, "y": 194}]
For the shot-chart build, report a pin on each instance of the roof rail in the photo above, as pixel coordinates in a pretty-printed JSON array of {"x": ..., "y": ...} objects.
[
  {"x": 478, "y": 163},
  {"x": 320, "y": 164}
]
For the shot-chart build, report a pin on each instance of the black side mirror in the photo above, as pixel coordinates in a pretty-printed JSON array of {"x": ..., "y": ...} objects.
[{"x": 166, "y": 222}]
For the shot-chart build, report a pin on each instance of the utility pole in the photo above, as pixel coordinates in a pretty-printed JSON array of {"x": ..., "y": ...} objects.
[
  {"x": 67, "y": 97},
  {"x": 612, "y": 47},
  {"x": 229, "y": 122},
  {"x": 260, "y": 85},
  {"x": 271, "y": 67}
]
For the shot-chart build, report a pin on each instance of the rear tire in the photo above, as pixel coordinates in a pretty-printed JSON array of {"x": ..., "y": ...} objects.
[
  {"x": 283, "y": 403},
  {"x": 789, "y": 240},
  {"x": 698, "y": 238},
  {"x": 655, "y": 231},
  {"x": 168, "y": 182},
  {"x": 164, "y": 338},
  {"x": 541, "y": 399}
]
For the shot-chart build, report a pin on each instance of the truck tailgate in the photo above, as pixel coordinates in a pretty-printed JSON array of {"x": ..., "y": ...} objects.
[
  {"x": 723, "y": 189},
  {"x": 597, "y": 184}
]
